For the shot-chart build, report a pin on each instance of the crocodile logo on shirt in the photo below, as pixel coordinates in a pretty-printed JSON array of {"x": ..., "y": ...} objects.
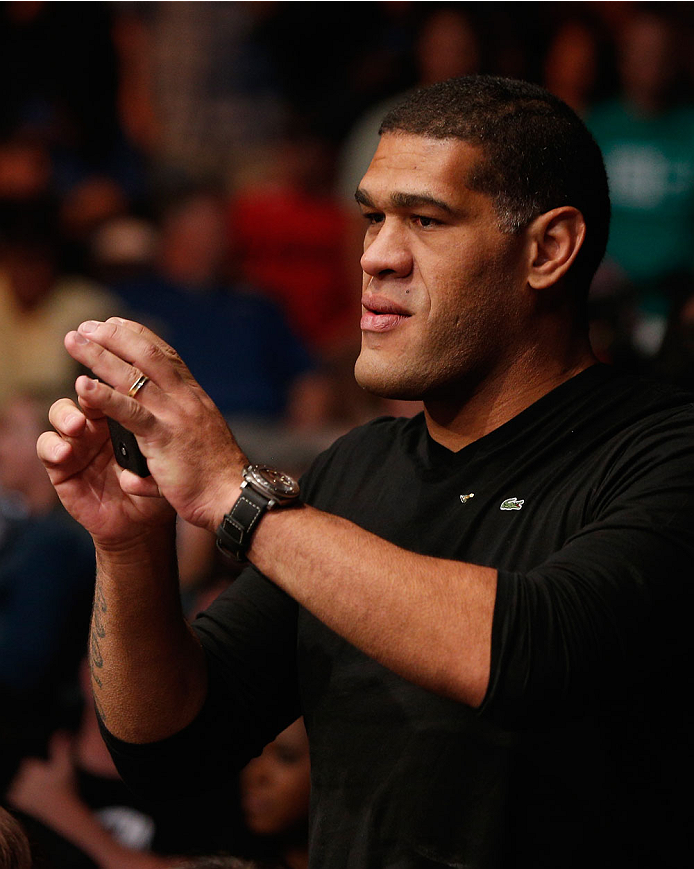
[{"x": 512, "y": 504}]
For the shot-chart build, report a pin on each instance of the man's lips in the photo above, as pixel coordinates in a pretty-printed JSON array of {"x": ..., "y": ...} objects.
[{"x": 380, "y": 314}]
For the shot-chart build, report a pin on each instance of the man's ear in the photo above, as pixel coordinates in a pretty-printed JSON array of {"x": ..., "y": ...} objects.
[{"x": 555, "y": 239}]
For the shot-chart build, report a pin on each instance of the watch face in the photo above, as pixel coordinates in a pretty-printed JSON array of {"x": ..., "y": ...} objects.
[{"x": 266, "y": 478}]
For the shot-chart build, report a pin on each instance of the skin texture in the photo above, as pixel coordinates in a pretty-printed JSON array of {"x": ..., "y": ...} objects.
[{"x": 457, "y": 313}]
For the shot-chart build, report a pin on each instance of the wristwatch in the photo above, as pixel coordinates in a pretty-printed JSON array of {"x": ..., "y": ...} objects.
[{"x": 262, "y": 489}]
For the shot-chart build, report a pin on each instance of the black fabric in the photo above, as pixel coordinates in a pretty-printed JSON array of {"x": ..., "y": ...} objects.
[{"x": 579, "y": 755}]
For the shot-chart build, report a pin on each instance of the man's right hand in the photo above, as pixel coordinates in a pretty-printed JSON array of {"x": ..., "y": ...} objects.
[{"x": 79, "y": 459}]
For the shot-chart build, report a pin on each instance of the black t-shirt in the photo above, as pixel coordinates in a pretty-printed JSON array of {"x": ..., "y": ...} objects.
[{"x": 578, "y": 755}]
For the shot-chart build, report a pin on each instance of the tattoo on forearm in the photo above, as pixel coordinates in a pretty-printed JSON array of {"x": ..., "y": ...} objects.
[
  {"x": 98, "y": 611},
  {"x": 96, "y": 660},
  {"x": 95, "y": 654}
]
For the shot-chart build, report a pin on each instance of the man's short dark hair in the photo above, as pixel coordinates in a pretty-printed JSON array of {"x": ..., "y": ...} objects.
[{"x": 537, "y": 154}]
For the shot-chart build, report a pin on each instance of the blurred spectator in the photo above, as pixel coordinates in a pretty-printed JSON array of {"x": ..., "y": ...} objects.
[
  {"x": 572, "y": 63},
  {"x": 214, "y": 91},
  {"x": 122, "y": 248},
  {"x": 288, "y": 232},
  {"x": 88, "y": 205},
  {"x": 25, "y": 169},
  {"x": 39, "y": 303},
  {"x": 46, "y": 585},
  {"x": 275, "y": 792},
  {"x": 647, "y": 137},
  {"x": 75, "y": 809}
]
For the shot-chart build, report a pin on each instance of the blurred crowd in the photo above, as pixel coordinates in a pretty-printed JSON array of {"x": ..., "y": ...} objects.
[{"x": 192, "y": 165}]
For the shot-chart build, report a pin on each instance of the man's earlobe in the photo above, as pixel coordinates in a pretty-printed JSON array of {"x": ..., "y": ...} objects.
[{"x": 556, "y": 238}]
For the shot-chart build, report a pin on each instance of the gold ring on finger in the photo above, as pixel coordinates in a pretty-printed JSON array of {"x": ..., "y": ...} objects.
[{"x": 137, "y": 385}]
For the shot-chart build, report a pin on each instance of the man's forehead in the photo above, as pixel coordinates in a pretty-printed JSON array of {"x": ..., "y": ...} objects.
[{"x": 410, "y": 169}]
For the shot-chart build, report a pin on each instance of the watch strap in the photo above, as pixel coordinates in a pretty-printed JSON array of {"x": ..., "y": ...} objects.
[{"x": 235, "y": 531}]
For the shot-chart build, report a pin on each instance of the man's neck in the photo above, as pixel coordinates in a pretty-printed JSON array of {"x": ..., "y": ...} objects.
[{"x": 499, "y": 398}]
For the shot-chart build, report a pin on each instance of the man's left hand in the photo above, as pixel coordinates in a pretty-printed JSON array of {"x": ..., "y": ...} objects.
[{"x": 194, "y": 460}]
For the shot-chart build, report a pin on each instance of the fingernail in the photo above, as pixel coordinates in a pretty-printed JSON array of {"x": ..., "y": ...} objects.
[
  {"x": 88, "y": 326},
  {"x": 79, "y": 338}
]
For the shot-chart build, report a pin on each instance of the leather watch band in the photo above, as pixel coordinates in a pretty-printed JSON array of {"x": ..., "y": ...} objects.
[{"x": 234, "y": 533}]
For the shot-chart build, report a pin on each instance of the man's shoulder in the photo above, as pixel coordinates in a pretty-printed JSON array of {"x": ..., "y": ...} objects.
[
  {"x": 641, "y": 399},
  {"x": 629, "y": 427},
  {"x": 611, "y": 396}
]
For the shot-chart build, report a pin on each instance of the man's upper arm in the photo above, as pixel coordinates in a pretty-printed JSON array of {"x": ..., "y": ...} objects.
[{"x": 610, "y": 610}]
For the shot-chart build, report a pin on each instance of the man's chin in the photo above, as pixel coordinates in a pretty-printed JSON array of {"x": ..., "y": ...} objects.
[{"x": 384, "y": 383}]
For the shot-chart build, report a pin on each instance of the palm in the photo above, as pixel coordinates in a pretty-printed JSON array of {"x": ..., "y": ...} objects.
[{"x": 89, "y": 488}]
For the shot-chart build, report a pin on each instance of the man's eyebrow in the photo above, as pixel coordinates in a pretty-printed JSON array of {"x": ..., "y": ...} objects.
[
  {"x": 405, "y": 200},
  {"x": 363, "y": 198},
  {"x": 418, "y": 200}
]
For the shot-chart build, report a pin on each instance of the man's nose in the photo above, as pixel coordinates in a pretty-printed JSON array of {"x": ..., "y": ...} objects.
[{"x": 387, "y": 252}]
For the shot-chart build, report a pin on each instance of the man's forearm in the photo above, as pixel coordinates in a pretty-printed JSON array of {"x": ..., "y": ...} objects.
[
  {"x": 428, "y": 619},
  {"x": 148, "y": 670}
]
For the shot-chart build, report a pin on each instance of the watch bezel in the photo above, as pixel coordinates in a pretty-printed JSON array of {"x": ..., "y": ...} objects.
[{"x": 271, "y": 482}]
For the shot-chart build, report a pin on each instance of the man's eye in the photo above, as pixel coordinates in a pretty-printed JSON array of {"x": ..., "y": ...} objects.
[
  {"x": 373, "y": 217},
  {"x": 424, "y": 221}
]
